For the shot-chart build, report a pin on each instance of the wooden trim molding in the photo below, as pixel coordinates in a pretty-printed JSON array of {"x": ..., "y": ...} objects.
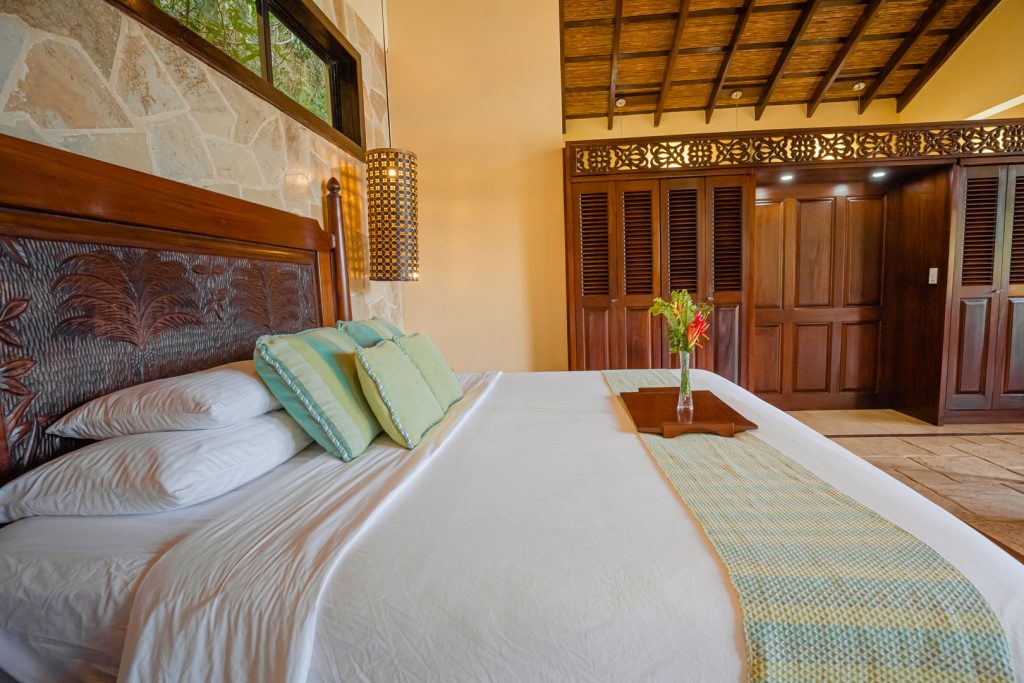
[
  {"x": 167, "y": 26},
  {"x": 913, "y": 142}
]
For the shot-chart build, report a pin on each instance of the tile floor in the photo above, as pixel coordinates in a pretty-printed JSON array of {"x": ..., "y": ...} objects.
[{"x": 974, "y": 471}]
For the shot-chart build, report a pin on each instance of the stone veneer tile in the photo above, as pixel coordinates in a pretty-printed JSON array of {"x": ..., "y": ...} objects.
[
  {"x": 124, "y": 149},
  {"x": 178, "y": 150},
  {"x": 141, "y": 80},
  {"x": 270, "y": 198},
  {"x": 296, "y": 192},
  {"x": 12, "y": 38},
  {"x": 234, "y": 162},
  {"x": 296, "y": 143},
  {"x": 15, "y": 125},
  {"x": 269, "y": 149},
  {"x": 61, "y": 89},
  {"x": 205, "y": 102},
  {"x": 250, "y": 111},
  {"x": 93, "y": 23},
  {"x": 229, "y": 189}
]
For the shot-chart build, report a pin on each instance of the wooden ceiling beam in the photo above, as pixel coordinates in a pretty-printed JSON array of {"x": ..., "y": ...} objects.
[
  {"x": 901, "y": 52},
  {"x": 666, "y": 80},
  {"x": 734, "y": 44},
  {"x": 787, "y": 53},
  {"x": 969, "y": 23},
  {"x": 616, "y": 40},
  {"x": 858, "y": 31}
]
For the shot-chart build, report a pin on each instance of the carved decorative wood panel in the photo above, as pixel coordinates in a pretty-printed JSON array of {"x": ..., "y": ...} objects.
[
  {"x": 951, "y": 141},
  {"x": 80, "y": 320}
]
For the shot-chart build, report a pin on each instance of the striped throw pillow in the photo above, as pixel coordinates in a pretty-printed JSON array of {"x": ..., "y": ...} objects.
[
  {"x": 313, "y": 375},
  {"x": 370, "y": 332}
]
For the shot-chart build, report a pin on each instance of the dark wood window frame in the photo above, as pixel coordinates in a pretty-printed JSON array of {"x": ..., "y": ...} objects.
[{"x": 315, "y": 29}]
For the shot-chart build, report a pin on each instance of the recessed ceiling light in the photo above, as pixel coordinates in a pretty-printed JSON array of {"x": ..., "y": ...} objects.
[
  {"x": 786, "y": 177},
  {"x": 859, "y": 85},
  {"x": 621, "y": 102},
  {"x": 736, "y": 94},
  {"x": 879, "y": 174}
]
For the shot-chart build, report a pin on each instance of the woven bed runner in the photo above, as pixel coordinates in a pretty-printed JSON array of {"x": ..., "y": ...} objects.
[{"x": 829, "y": 590}]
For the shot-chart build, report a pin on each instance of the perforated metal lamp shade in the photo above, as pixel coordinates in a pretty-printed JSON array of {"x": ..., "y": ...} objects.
[{"x": 393, "y": 215}]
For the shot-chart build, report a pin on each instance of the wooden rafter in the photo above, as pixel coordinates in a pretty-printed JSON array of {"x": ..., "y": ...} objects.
[
  {"x": 666, "y": 80},
  {"x": 616, "y": 39},
  {"x": 952, "y": 42},
  {"x": 901, "y": 52},
  {"x": 734, "y": 43},
  {"x": 844, "y": 53},
  {"x": 787, "y": 53}
]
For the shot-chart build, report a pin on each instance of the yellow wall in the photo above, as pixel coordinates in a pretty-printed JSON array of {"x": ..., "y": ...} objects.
[
  {"x": 984, "y": 72},
  {"x": 476, "y": 94},
  {"x": 833, "y": 114}
]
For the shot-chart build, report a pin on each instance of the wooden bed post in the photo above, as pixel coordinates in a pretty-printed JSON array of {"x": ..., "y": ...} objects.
[{"x": 336, "y": 226}]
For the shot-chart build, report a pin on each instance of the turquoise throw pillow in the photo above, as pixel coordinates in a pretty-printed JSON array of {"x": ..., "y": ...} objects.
[
  {"x": 397, "y": 393},
  {"x": 434, "y": 368},
  {"x": 313, "y": 374},
  {"x": 370, "y": 332}
]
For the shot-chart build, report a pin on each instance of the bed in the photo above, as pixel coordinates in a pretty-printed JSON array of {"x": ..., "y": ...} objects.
[{"x": 530, "y": 536}]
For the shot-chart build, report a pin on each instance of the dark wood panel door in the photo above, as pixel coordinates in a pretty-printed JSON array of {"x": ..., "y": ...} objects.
[
  {"x": 978, "y": 276},
  {"x": 817, "y": 297}
]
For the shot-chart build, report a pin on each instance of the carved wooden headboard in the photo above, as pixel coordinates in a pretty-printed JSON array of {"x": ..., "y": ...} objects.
[{"x": 111, "y": 277}]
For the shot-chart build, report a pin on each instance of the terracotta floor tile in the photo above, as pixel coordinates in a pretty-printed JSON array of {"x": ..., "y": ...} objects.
[
  {"x": 984, "y": 440},
  {"x": 940, "y": 445},
  {"x": 891, "y": 462},
  {"x": 948, "y": 505},
  {"x": 1014, "y": 439},
  {"x": 967, "y": 468},
  {"x": 993, "y": 501},
  {"x": 926, "y": 476},
  {"x": 879, "y": 446},
  {"x": 1010, "y": 534}
]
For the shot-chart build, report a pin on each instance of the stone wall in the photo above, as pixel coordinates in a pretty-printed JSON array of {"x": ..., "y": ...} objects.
[{"x": 87, "y": 78}]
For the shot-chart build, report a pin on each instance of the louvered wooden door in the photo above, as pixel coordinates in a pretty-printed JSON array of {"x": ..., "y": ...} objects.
[
  {"x": 1009, "y": 376},
  {"x": 616, "y": 254},
  {"x": 639, "y": 276},
  {"x": 972, "y": 379},
  {"x": 726, "y": 198},
  {"x": 595, "y": 343}
]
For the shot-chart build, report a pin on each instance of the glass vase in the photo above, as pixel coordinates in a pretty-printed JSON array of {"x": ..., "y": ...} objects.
[{"x": 685, "y": 404}]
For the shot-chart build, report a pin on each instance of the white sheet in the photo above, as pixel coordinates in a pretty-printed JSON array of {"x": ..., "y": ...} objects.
[{"x": 540, "y": 544}]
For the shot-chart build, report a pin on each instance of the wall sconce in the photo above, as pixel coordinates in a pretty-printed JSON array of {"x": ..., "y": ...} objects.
[{"x": 393, "y": 215}]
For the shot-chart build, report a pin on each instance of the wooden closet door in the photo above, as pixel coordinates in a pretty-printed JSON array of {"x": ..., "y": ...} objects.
[
  {"x": 637, "y": 237},
  {"x": 727, "y": 199},
  {"x": 817, "y": 297},
  {"x": 683, "y": 225},
  {"x": 976, "y": 300},
  {"x": 595, "y": 342},
  {"x": 1008, "y": 392}
]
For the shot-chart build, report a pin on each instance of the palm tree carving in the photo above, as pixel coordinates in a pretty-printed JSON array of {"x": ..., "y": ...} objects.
[
  {"x": 12, "y": 371},
  {"x": 131, "y": 300},
  {"x": 266, "y": 294}
]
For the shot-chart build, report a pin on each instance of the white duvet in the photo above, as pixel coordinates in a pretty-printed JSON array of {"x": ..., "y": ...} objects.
[{"x": 533, "y": 539}]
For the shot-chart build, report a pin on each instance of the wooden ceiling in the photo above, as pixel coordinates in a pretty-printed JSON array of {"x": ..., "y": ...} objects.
[{"x": 676, "y": 55}]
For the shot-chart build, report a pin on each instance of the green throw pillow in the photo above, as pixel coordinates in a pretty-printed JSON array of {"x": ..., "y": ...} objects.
[
  {"x": 367, "y": 333},
  {"x": 434, "y": 368},
  {"x": 397, "y": 393},
  {"x": 313, "y": 374}
]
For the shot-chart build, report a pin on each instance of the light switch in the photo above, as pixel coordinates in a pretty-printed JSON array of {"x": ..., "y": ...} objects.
[{"x": 933, "y": 276}]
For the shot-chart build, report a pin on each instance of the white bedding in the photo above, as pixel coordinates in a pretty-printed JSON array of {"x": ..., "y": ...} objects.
[{"x": 541, "y": 543}]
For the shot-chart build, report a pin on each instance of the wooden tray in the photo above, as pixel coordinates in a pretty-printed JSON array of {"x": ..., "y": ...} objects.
[{"x": 653, "y": 410}]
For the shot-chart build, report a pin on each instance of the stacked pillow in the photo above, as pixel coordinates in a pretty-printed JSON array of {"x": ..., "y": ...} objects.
[
  {"x": 179, "y": 441},
  {"x": 163, "y": 445}
]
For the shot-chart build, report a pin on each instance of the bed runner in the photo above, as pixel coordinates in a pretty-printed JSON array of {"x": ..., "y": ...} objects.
[{"x": 829, "y": 590}]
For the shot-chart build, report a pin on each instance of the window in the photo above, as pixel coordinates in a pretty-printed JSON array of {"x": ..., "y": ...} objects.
[{"x": 287, "y": 44}]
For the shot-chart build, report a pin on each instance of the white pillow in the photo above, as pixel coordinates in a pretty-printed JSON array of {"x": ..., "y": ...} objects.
[
  {"x": 210, "y": 399},
  {"x": 153, "y": 472}
]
